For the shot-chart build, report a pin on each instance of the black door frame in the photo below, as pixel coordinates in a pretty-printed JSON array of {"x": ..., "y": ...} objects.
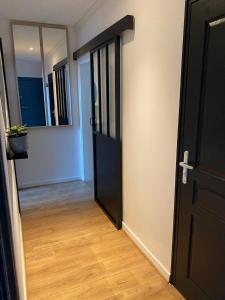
[
  {"x": 8, "y": 270},
  {"x": 180, "y": 150},
  {"x": 117, "y": 222},
  {"x": 8, "y": 280},
  {"x": 111, "y": 33}
]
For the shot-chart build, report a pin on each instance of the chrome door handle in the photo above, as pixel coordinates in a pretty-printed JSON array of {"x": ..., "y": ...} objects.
[
  {"x": 183, "y": 165},
  {"x": 186, "y": 167}
]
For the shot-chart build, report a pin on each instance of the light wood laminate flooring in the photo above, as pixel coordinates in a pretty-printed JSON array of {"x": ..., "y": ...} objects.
[{"x": 73, "y": 252}]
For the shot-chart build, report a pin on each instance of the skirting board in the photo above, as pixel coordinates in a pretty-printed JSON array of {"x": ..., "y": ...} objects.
[
  {"x": 165, "y": 273},
  {"x": 47, "y": 182}
]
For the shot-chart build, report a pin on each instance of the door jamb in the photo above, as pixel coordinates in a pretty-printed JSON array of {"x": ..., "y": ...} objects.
[
  {"x": 9, "y": 269},
  {"x": 7, "y": 251},
  {"x": 81, "y": 60}
]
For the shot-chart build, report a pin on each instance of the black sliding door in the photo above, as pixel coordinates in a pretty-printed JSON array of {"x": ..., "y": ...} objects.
[{"x": 105, "y": 81}]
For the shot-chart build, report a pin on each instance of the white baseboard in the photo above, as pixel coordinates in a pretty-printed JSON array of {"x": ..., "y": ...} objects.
[
  {"x": 47, "y": 182},
  {"x": 154, "y": 260}
]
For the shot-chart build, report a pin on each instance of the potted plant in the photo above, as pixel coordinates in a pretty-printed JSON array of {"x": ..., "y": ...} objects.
[{"x": 17, "y": 137}]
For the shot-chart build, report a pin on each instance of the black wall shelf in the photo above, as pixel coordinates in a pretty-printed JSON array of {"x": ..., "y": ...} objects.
[{"x": 12, "y": 156}]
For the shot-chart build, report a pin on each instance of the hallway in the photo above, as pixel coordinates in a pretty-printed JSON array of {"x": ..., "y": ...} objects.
[{"x": 74, "y": 252}]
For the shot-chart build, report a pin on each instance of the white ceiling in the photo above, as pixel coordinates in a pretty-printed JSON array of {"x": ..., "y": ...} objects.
[{"x": 66, "y": 12}]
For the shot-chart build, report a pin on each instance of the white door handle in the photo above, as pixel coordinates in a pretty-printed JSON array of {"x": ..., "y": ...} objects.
[
  {"x": 186, "y": 167},
  {"x": 183, "y": 165}
]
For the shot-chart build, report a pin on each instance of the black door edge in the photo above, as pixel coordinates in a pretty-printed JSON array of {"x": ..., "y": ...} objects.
[{"x": 184, "y": 66}]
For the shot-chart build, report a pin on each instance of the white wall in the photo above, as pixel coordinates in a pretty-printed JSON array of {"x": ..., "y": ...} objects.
[
  {"x": 54, "y": 153},
  {"x": 86, "y": 114},
  {"x": 151, "y": 68}
]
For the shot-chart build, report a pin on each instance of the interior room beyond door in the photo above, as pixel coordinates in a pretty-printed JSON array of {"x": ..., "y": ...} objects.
[{"x": 200, "y": 241}]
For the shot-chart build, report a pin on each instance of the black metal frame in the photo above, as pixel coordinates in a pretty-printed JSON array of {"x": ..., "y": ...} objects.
[
  {"x": 118, "y": 124},
  {"x": 61, "y": 93},
  {"x": 116, "y": 40},
  {"x": 8, "y": 270},
  {"x": 8, "y": 283},
  {"x": 103, "y": 40},
  {"x": 185, "y": 54},
  {"x": 60, "y": 64}
]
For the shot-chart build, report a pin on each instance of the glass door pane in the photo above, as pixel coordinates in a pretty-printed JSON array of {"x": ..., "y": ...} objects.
[
  {"x": 96, "y": 91},
  {"x": 103, "y": 90},
  {"x": 112, "y": 104}
]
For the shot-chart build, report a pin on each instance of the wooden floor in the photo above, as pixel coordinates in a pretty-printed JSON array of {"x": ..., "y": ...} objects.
[{"x": 74, "y": 252}]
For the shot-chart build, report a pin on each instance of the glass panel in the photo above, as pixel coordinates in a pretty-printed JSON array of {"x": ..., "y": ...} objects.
[
  {"x": 29, "y": 75},
  {"x": 56, "y": 60},
  {"x": 112, "y": 108},
  {"x": 103, "y": 90},
  {"x": 96, "y": 94}
]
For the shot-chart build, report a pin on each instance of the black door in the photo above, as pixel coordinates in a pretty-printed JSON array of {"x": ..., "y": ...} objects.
[
  {"x": 105, "y": 81},
  {"x": 200, "y": 240},
  {"x": 8, "y": 280}
]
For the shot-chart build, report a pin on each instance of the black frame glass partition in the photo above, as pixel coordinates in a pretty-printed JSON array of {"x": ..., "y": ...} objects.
[
  {"x": 43, "y": 73},
  {"x": 106, "y": 102}
]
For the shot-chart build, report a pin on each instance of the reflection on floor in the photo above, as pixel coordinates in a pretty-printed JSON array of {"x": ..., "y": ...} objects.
[{"x": 74, "y": 252}]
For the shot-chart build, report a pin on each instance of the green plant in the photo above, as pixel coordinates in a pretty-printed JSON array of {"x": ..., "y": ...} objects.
[{"x": 17, "y": 130}]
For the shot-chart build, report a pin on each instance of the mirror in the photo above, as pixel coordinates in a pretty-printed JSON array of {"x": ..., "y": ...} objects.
[
  {"x": 57, "y": 74},
  {"x": 29, "y": 75},
  {"x": 42, "y": 69}
]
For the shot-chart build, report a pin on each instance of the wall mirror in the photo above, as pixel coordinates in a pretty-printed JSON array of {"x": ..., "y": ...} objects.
[{"x": 43, "y": 76}]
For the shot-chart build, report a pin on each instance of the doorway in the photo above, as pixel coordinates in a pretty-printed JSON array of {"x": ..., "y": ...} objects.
[
  {"x": 84, "y": 86},
  {"x": 199, "y": 260},
  {"x": 99, "y": 93}
]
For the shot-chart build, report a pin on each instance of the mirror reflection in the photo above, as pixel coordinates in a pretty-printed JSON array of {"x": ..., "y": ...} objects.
[
  {"x": 42, "y": 67},
  {"x": 57, "y": 74},
  {"x": 29, "y": 75}
]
